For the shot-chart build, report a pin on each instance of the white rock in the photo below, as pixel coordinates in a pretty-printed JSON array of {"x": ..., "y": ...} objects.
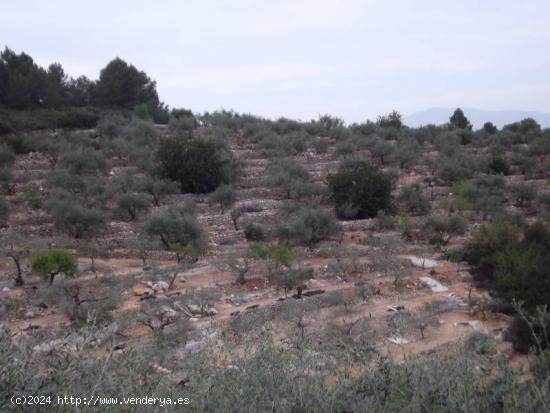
[
  {"x": 436, "y": 286},
  {"x": 422, "y": 262},
  {"x": 160, "y": 286},
  {"x": 210, "y": 311},
  {"x": 398, "y": 340},
  {"x": 194, "y": 309}
]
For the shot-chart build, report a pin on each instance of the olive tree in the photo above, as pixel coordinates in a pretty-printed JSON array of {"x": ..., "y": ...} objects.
[
  {"x": 307, "y": 226},
  {"x": 384, "y": 256},
  {"x": 224, "y": 196},
  {"x": 176, "y": 225},
  {"x": 76, "y": 219},
  {"x": 53, "y": 262},
  {"x": 440, "y": 229},
  {"x": 16, "y": 248}
]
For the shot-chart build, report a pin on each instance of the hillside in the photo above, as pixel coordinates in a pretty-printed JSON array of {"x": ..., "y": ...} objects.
[{"x": 268, "y": 289}]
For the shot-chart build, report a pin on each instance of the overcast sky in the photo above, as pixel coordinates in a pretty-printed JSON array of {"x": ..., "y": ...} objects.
[{"x": 300, "y": 58}]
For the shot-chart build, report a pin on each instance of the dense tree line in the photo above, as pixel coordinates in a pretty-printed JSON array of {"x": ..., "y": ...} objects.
[{"x": 24, "y": 85}]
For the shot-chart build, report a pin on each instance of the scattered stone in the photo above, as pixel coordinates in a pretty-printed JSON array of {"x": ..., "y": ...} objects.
[
  {"x": 193, "y": 347},
  {"x": 234, "y": 313},
  {"x": 160, "y": 286},
  {"x": 140, "y": 291},
  {"x": 422, "y": 262},
  {"x": 396, "y": 308},
  {"x": 252, "y": 307},
  {"x": 398, "y": 340},
  {"x": 210, "y": 312},
  {"x": 168, "y": 312},
  {"x": 194, "y": 309},
  {"x": 5, "y": 289},
  {"x": 30, "y": 314},
  {"x": 436, "y": 286},
  {"x": 161, "y": 370},
  {"x": 193, "y": 319}
]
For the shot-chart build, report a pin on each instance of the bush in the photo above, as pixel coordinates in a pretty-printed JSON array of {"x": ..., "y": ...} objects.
[
  {"x": 132, "y": 204},
  {"x": 235, "y": 214},
  {"x": 76, "y": 220},
  {"x": 84, "y": 161},
  {"x": 29, "y": 194},
  {"x": 77, "y": 118},
  {"x": 307, "y": 226},
  {"x": 524, "y": 194},
  {"x": 111, "y": 126},
  {"x": 455, "y": 168},
  {"x": 224, "y": 196},
  {"x": 199, "y": 165},
  {"x": 255, "y": 232},
  {"x": 287, "y": 174},
  {"x": 499, "y": 165},
  {"x": 53, "y": 262},
  {"x": 488, "y": 241},
  {"x": 293, "y": 278},
  {"x": 359, "y": 190},
  {"x": 412, "y": 200},
  {"x": 158, "y": 188},
  {"x": 382, "y": 150},
  {"x": 481, "y": 343},
  {"x": 176, "y": 226},
  {"x": 274, "y": 256},
  {"x": 7, "y": 155},
  {"x": 440, "y": 229},
  {"x": 384, "y": 221}
]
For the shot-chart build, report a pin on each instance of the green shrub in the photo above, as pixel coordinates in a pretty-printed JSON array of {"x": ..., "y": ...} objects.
[
  {"x": 287, "y": 174},
  {"x": 276, "y": 257},
  {"x": 293, "y": 278},
  {"x": 440, "y": 229},
  {"x": 83, "y": 161},
  {"x": 175, "y": 225},
  {"x": 30, "y": 195},
  {"x": 53, "y": 262},
  {"x": 77, "y": 118},
  {"x": 199, "y": 165},
  {"x": 132, "y": 204},
  {"x": 359, "y": 190},
  {"x": 76, "y": 220},
  {"x": 224, "y": 196},
  {"x": 307, "y": 226},
  {"x": 235, "y": 215},
  {"x": 157, "y": 188},
  {"x": 7, "y": 155},
  {"x": 255, "y": 232},
  {"x": 499, "y": 165},
  {"x": 524, "y": 194},
  {"x": 412, "y": 200}
]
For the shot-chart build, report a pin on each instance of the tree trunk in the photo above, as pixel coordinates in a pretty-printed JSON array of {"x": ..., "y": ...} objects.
[
  {"x": 19, "y": 277},
  {"x": 52, "y": 275}
]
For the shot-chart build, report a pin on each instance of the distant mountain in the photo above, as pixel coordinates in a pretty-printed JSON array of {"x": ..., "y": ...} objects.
[{"x": 477, "y": 117}]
